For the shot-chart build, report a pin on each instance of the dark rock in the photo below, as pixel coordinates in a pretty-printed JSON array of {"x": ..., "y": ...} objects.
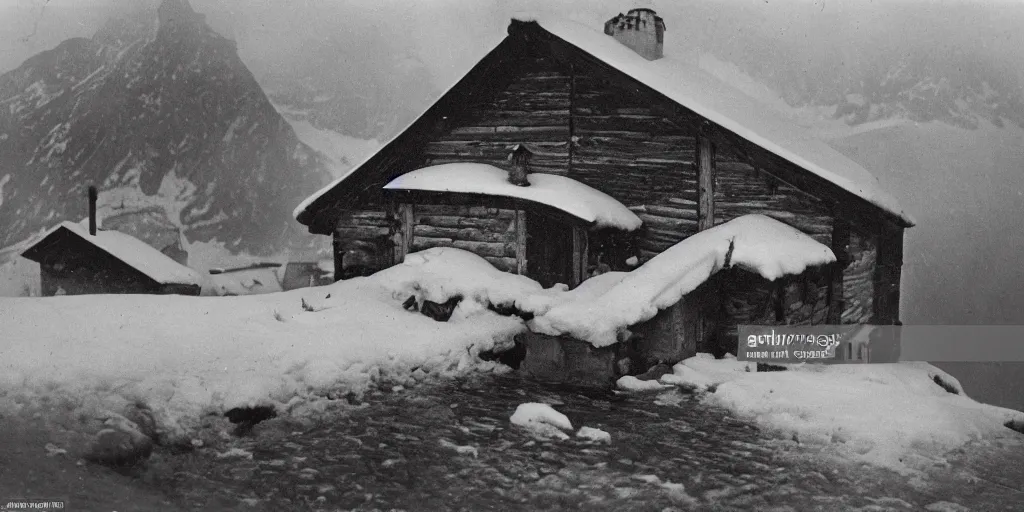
[
  {"x": 247, "y": 417},
  {"x": 440, "y": 311},
  {"x": 949, "y": 387},
  {"x": 119, "y": 448},
  {"x": 1016, "y": 425},
  {"x": 655, "y": 372},
  {"x": 765, "y": 367},
  {"x": 142, "y": 416}
]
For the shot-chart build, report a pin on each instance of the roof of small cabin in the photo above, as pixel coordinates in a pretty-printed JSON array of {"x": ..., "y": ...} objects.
[
  {"x": 126, "y": 248},
  {"x": 706, "y": 95},
  {"x": 568, "y": 195}
]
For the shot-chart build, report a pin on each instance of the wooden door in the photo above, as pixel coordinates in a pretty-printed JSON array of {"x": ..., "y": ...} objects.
[{"x": 549, "y": 250}]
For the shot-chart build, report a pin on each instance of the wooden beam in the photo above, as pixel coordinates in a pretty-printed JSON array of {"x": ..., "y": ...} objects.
[
  {"x": 887, "y": 277},
  {"x": 705, "y": 182},
  {"x": 580, "y": 253},
  {"x": 404, "y": 231},
  {"x": 841, "y": 248},
  {"x": 336, "y": 246},
  {"x": 520, "y": 223}
]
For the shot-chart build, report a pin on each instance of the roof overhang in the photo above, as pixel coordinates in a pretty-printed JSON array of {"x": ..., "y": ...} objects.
[{"x": 591, "y": 206}]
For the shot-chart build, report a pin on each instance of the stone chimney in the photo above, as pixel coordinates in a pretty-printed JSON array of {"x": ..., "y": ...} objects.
[{"x": 641, "y": 29}]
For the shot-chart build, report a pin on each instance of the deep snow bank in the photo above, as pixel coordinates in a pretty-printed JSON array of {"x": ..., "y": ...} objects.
[
  {"x": 753, "y": 242},
  {"x": 891, "y": 415},
  {"x": 189, "y": 356}
]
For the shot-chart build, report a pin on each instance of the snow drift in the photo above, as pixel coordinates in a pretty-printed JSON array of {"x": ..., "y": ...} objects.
[
  {"x": 186, "y": 357},
  {"x": 752, "y": 242},
  {"x": 890, "y": 415}
]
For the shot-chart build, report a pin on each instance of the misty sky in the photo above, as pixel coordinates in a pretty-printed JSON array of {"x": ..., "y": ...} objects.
[{"x": 447, "y": 34}]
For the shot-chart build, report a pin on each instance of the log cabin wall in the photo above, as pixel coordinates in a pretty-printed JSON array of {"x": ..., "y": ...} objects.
[
  {"x": 484, "y": 231},
  {"x": 805, "y": 297},
  {"x": 627, "y": 148},
  {"x": 743, "y": 189},
  {"x": 591, "y": 129},
  {"x": 859, "y": 279},
  {"x": 357, "y": 230},
  {"x": 533, "y": 108}
]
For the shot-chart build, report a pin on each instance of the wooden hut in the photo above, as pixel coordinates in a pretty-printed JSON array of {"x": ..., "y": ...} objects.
[
  {"x": 77, "y": 259},
  {"x": 679, "y": 148}
]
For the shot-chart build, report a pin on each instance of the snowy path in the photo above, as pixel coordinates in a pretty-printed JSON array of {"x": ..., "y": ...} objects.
[{"x": 399, "y": 452}]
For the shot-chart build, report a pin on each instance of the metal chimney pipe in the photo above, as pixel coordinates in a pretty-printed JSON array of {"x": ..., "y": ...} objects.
[{"x": 92, "y": 210}]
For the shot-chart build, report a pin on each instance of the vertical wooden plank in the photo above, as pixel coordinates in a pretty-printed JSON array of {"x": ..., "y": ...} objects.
[
  {"x": 887, "y": 276},
  {"x": 406, "y": 220},
  {"x": 579, "y": 255},
  {"x": 841, "y": 248},
  {"x": 336, "y": 247},
  {"x": 572, "y": 121},
  {"x": 520, "y": 223},
  {"x": 705, "y": 181}
]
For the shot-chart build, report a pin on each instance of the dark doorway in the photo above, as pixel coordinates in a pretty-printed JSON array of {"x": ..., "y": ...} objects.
[{"x": 548, "y": 250}]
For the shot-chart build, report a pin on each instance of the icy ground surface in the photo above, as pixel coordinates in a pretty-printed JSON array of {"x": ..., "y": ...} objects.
[{"x": 452, "y": 446}]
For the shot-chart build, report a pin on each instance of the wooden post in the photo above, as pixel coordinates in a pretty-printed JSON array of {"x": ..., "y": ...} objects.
[
  {"x": 705, "y": 181},
  {"x": 572, "y": 121},
  {"x": 579, "y": 255},
  {"x": 887, "y": 277},
  {"x": 841, "y": 248},
  {"x": 336, "y": 247},
  {"x": 520, "y": 221},
  {"x": 403, "y": 234}
]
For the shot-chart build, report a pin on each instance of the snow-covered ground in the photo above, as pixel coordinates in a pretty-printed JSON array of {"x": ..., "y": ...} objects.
[
  {"x": 897, "y": 416},
  {"x": 185, "y": 357},
  {"x": 188, "y": 356}
]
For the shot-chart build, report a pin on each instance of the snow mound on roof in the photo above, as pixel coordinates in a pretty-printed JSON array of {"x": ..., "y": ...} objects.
[
  {"x": 759, "y": 244},
  {"x": 737, "y": 112},
  {"x": 134, "y": 252},
  {"x": 559, "y": 192},
  {"x": 890, "y": 415}
]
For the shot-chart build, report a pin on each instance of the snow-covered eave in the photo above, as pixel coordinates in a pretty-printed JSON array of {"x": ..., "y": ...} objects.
[
  {"x": 77, "y": 230},
  {"x": 591, "y": 206}
]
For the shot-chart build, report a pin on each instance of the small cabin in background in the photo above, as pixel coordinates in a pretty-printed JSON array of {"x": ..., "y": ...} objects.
[
  {"x": 628, "y": 127},
  {"x": 254, "y": 279},
  {"x": 269, "y": 277},
  {"x": 77, "y": 260}
]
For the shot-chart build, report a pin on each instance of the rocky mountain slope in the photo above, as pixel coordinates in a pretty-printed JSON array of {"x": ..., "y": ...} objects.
[{"x": 158, "y": 111}]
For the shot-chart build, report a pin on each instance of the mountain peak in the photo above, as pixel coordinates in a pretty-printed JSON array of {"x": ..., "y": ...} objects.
[{"x": 178, "y": 14}]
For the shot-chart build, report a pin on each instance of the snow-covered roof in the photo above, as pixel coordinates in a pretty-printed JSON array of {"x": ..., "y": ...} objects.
[
  {"x": 759, "y": 244},
  {"x": 565, "y": 194},
  {"x": 709, "y": 97},
  {"x": 133, "y": 252},
  {"x": 735, "y": 111}
]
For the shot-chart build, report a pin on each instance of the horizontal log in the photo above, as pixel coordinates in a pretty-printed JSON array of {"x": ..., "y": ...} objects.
[
  {"x": 360, "y": 232},
  {"x": 682, "y": 226},
  {"x": 671, "y": 212},
  {"x": 420, "y": 243},
  {"x": 464, "y": 211},
  {"x": 458, "y": 221},
  {"x": 466, "y": 234},
  {"x": 500, "y": 250},
  {"x": 505, "y": 117}
]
